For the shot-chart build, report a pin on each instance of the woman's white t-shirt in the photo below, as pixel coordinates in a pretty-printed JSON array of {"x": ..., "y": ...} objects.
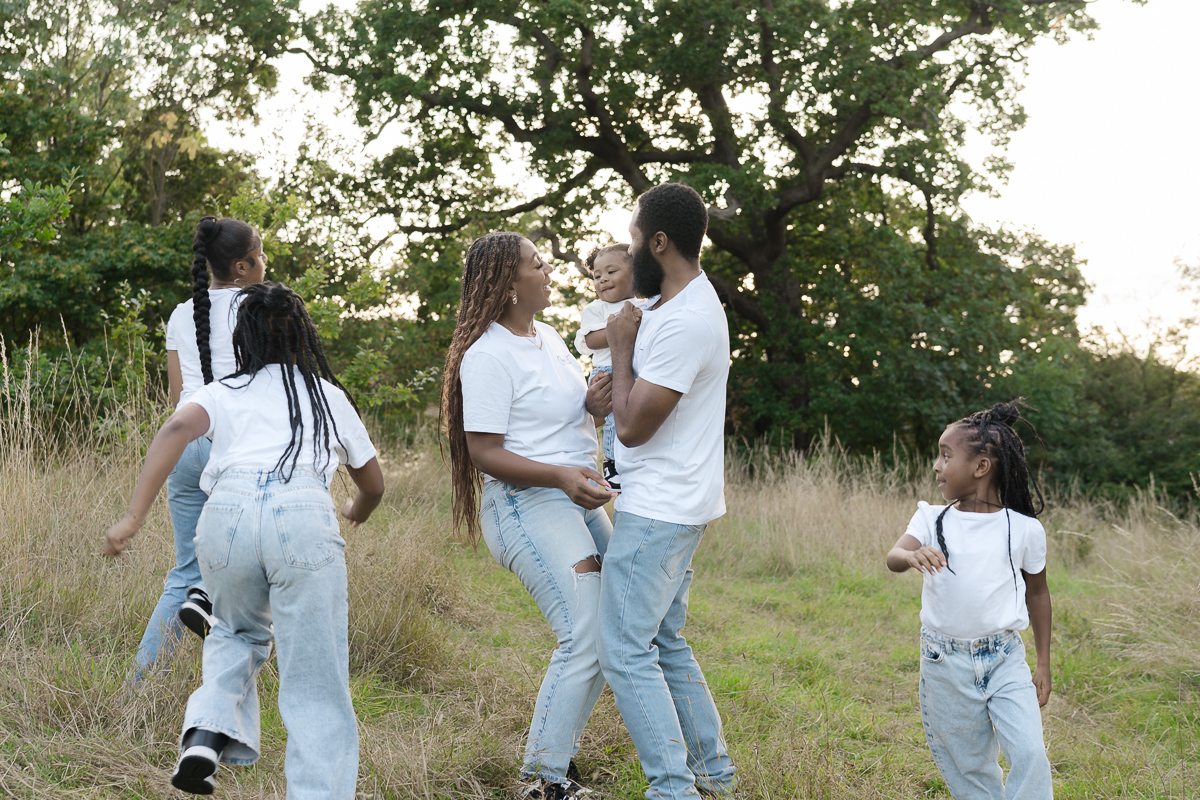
[
  {"x": 981, "y": 597},
  {"x": 535, "y": 397},
  {"x": 249, "y": 428},
  {"x": 181, "y": 337}
]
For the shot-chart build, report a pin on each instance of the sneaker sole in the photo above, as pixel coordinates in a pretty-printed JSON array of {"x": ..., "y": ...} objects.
[
  {"x": 196, "y": 770},
  {"x": 195, "y": 619}
]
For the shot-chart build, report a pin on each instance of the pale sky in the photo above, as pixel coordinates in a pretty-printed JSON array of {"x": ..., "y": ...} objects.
[{"x": 1107, "y": 160}]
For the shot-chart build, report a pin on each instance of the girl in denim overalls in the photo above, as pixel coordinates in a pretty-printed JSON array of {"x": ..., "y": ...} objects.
[
  {"x": 983, "y": 557},
  {"x": 269, "y": 548}
]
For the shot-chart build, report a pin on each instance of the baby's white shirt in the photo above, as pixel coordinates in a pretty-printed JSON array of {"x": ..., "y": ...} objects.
[{"x": 595, "y": 318}]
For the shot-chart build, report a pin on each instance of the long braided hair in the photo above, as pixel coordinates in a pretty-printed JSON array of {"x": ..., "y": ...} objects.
[
  {"x": 273, "y": 327},
  {"x": 993, "y": 432},
  {"x": 218, "y": 243},
  {"x": 488, "y": 272}
]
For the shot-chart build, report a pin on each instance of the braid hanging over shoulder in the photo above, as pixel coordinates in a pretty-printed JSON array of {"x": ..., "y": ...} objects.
[
  {"x": 993, "y": 432},
  {"x": 488, "y": 271}
]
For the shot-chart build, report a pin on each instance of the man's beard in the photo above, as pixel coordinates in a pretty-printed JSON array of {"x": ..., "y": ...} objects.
[{"x": 647, "y": 273}]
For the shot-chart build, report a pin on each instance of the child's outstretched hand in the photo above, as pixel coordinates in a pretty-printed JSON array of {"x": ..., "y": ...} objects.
[
  {"x": 118, "y": 537},
  {"x": 929, "y": 560}
]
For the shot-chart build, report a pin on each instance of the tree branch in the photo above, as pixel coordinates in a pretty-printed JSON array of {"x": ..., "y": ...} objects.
[{"x": 741, "y": 303}]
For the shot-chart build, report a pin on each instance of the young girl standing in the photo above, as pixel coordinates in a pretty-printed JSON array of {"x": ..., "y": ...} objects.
[
  {"x": 199, "y": 347},
  {"x": 983, "y": 559},
  {"x": 269, "y": 549}
]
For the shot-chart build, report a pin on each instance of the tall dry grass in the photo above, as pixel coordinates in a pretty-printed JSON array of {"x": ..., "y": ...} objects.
[{"x": 447, "y": 651}]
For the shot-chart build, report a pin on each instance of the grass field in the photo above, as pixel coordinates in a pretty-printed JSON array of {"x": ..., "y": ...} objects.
[{"x": 809, "y": 644}]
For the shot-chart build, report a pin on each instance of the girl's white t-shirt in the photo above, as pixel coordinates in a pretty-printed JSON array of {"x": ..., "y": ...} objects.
[
  {"x": 249, "y": 428},
  {"x": 534, "y": 397},
  {"x": 595, "y": 318},
  {"x": 980, "y": 597},
  {"x": 678, "y": 476},
  {"x": 181, "y": 337}
]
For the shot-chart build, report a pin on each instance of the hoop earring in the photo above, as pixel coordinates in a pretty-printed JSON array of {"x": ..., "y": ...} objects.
[{"x": 514, "y": 299}]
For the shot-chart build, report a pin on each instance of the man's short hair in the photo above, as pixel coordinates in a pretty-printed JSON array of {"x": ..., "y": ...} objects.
[{"x": 678, "y": 211}]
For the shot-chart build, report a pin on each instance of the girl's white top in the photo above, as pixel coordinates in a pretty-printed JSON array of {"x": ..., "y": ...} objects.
[
  {"x": 249, "y": 428},
  {"x": 595, "y": 318},
  {"x": 534, "y": 397},
  {"x": 181, "y": 337},
  {"x": 979, "y": 598}
]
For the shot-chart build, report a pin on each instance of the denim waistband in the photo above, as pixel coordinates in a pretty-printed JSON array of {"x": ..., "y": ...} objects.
[
  {"x": 995, "y": 641},
  {"x": 269, "y": 479}
]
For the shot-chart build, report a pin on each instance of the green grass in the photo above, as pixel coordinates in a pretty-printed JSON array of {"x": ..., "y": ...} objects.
[{"x": 808, "y": 643}]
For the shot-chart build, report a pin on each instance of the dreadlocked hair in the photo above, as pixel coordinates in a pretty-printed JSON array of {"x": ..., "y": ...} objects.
[
  {"x": 993, "y": 432},
  {"x": 273, "y": 327},
  {"x": 590, "y": 262},
  {"x": 488, "y": 271},
  {"x": 218, "y": 243}
]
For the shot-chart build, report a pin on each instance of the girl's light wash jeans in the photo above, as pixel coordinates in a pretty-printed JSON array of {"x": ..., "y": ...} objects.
[
  {"x": 186, "y": 499},
  {"x": 660, "y": 690},
  {"x": 978, "y": 698},
  {"x": 610, "y": 423},
  {"x": 270, "y": 552},
  {"x": 539, "y": 535}
]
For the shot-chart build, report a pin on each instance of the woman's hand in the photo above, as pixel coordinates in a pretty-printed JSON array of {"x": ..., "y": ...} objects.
[
  {"x": 348, "y": 512},
  {"x": 119, "y": 535},
  {"x": 577, "y": 484},
  {"x": 1042, "y": 682}
]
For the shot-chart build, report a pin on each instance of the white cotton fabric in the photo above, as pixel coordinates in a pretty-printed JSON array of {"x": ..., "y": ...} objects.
[
  {"x": 679, "y": 475},
  {"x": 249, "y": 428},
  {"x": 595, "y": 318},
  {"x": 979, "y": 598},
  {"x": 181, "y": 337},
  {"x": 534, "y": 397}
]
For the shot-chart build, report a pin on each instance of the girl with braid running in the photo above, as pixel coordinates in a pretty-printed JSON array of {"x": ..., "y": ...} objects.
[
  {"x": 983, "y": 561},
  {"x": 269, "y": 548},
  {"x": 199, "y": 346}
]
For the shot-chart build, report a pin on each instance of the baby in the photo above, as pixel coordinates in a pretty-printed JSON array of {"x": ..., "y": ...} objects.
[{"x": 611, "y": 268}]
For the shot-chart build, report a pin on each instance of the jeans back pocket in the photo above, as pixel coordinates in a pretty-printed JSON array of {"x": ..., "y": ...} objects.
[
  {"x": 214, "y": 533},
  {"x": 308, "y": 534}
]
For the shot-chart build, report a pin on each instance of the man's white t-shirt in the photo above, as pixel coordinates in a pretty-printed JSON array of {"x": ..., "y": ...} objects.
[
  {"x": 249, "y": 428},
  {"x": 535, "y": 397},
  {"x": 181, "y": 337},
  {"x": 679, "y": 475},
  {"x": 595, "y": 318},
  {"x": 980, "y": 597}
]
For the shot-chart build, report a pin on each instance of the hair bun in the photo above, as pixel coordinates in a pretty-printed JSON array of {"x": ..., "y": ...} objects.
[
  {"x": 1006, "y": 413},
  {"x": 207, "y": 228}
]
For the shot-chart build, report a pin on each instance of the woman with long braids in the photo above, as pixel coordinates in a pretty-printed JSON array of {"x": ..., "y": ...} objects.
[
  {"x": 269, "y": 548},
  {"x": 199, "y": 346},
  {"x": 522, "y": 455},
  {"x": 983, "y": 559}
]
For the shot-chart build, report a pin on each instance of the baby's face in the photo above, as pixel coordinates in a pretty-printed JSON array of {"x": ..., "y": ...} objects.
[{"x": 613, "y": 277}]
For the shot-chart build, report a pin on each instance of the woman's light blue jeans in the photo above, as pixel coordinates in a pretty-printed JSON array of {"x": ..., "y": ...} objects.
[
  {"x": 270, "y": 552},
  {"x": 610, "y": 423},
  {"x": 540, "y": 536},
  {"x": 186, "y": 499},
  {"x": 659, "y": 688},
  {"x": 978, "y": 698}
]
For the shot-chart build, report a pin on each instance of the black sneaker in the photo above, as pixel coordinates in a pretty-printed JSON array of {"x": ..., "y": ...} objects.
[
  {"x": 565, "y": 789},
  {"x": 196, "y": 612},
  {"x": 611, "y": 475},
  {"x": 197, "y": 768}
]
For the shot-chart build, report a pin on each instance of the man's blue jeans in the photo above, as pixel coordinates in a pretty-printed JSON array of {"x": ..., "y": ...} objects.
[{"x": 659, "y": 688}]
